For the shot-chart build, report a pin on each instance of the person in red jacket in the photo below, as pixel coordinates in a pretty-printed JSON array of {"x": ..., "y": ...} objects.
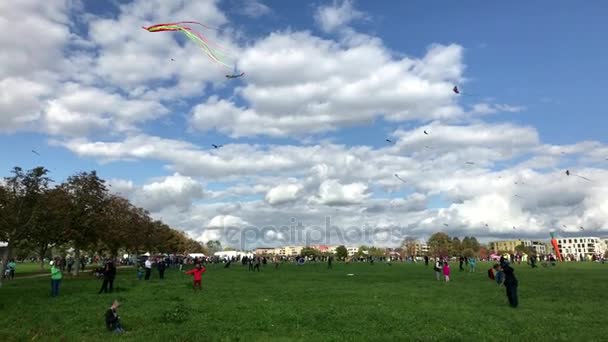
[{"x": 198, "y": 274}]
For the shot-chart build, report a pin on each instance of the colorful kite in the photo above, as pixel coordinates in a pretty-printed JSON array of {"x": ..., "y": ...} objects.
[{"x": 213, "y": 51}]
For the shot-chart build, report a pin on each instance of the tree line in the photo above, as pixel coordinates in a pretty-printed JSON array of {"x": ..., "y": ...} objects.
[{"x": 37, "y": 215}]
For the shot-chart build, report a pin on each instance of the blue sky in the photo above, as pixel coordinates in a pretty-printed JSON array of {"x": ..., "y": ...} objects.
[{"x": 537, "y": 71}]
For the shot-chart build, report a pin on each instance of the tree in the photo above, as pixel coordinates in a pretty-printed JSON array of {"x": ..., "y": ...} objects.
[
  {"x": 483, "y": 252},
  {"x": 341, "y": 253},
  {"x": 456, "y": 246},
  {"x": 361, "y": 251},
  {"x": 310, "y": 252},
  {"x": 214, "y": 246},
  {"x": 376, "y": 252},
  {"x": 19, "y": 202},
  {"x": 439, "y": 244},
  {"x": 48, "y": 224},
  {"x": 409, "y": 246},
  {"x": 470, "y": 242},
  {"x": 86, "y": 210},
  {"x": 468, "y": 252}
]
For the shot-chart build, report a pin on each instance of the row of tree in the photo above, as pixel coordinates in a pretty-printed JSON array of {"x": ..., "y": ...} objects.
[
  {"x": 81, "y": 214},
  {"x": 441, "y": 244}
]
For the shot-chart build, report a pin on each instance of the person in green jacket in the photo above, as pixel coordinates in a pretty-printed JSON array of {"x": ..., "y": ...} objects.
[
  {"x": 56, "y": 277},
  {"x": 12, "y": 266}
]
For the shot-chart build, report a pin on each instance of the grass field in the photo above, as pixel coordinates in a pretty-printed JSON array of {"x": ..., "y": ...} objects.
[{"x": 401, "y": 302}]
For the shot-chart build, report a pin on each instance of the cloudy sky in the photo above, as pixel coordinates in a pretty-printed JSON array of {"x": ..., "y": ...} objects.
[{"x": 305, "y": 131}]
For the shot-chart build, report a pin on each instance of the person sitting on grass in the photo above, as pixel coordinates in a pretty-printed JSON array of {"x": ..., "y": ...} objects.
[
  {"x": 197, "y": 272},
  {"x": 112, "y": 318}
]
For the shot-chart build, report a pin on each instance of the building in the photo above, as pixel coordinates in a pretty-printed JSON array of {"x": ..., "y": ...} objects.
[
  {"x": 265, "y": 251},
  {"x": 505, "y": 245},
  {"x": 421, "y": 248},
  {"x": 352, "y": 250},
  {"x": 585, "y": 245},
  {"x": 321, "y": 248},
  {"x": 539, "y": 247}
]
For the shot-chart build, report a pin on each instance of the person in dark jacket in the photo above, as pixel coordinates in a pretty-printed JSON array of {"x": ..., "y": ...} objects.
[
  {"x": 461, "y": 261},
  {"x": 426, "y": 260},
  {"x": 112, "y": 318},
  {"x": 106, "y": 279},
  {"x": 161, "y": 269},
  {"x": 111, "y": 276},
  {"x": 510, "y": 283}
]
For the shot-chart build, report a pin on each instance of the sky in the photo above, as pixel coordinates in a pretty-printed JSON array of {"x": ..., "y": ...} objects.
[{"x": 304, "y": 132}]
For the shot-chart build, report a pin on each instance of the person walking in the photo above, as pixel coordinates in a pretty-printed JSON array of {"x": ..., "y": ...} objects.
[
  {"x": 106, "y": 279},
  {"x": 257, "y": 264},
  {"x": 446, "y": 271},
  {"x": 56, "y": 276},
  {"x": 472, "y": 264},
  {"x": 460, "y": 263},
  {"x": 12, "y": 266},
  {"x": 329, "y": 258},
  {"x": 426, "y": 260}
]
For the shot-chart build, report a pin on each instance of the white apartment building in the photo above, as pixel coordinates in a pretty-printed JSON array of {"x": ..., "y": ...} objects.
[
  {"x": 352, "y": 250},
  {"x": 585, "y": 245},
  {"x": 538, "y": 246}
]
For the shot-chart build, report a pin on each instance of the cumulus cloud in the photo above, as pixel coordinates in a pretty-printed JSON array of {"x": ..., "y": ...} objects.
[
  {"x": 283, "y": 193},
  {"x": 176, "y": 190},
  {"x": 253, "y": 8},
  {"x": 332, "y": 193}
]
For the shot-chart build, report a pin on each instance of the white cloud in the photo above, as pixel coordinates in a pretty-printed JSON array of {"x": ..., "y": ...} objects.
[
  {"x": 336, "y": 16},
  {"x": 299, "y": 84},
  {"x": 283, "y": 193},
  {"x": 332, "y": 193},
  {"x": 175, "y": 190},
  {"x": 253, "y": 8}
]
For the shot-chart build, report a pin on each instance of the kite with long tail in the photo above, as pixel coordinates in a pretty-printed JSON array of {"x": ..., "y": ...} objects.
[
  {"x": 568, "y": 173},
  {"x": 213, "y": 51}
]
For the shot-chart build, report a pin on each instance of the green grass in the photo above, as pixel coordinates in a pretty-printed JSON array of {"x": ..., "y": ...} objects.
[
  {"x": 403, "y": 302},
  {"x": 30, "y": 268}
]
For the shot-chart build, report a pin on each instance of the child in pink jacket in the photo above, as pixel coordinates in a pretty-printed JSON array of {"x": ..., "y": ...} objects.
[{"x": 446, "y": 271}]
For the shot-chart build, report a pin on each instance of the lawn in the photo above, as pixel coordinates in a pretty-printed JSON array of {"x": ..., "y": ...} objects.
[{"x": 379, "y": 302}]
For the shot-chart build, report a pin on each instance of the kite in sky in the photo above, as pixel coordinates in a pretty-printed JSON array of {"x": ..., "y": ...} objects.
[
  {"x": 459, "y": 92},
  {"x": 389, "y": 140},
  {"x": 399, "y": 178},
  {"x": 36, "y": 153},
  {"x": 212, "y": 50},
  {"x": 455, "y": 90},
  {"x": 425, "y": 132},
  {"x": 216, "y": 146},
  {"x": 568, "y": 173},
  {"x": 235, "y": 75},
  {"x": 470, "y": 163}
]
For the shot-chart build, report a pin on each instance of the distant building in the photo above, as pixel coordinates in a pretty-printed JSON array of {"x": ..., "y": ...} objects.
[
  {"x": 321, "y": 248},
  {"x": 352, "y": 250},
  {"x": 586, "y": 245},
  {"x": 505, "y": 245},
  {"x": 538, "y": 246},
  {"x": 421, "y": 248},
  {"x": 265, "y": 251}
]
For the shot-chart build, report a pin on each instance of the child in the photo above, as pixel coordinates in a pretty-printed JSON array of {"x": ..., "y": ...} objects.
[
  {"x": 446, "y": 271},
  {"x": 499, "y": 276},
  {"x": 198, "y": 274},
  {"x": 510, "y": 283},
  {"x": 140, "y": 272},
  {"x": 112, "y": 318}
]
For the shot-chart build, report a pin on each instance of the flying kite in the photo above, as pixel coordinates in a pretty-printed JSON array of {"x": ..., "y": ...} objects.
[
  {"x": 425, "y": 132},
  {"x": 235, "y": 75},
  {"x": 399, "y": 178},
  {"x": 445, "y": 224},
  {"x": 455, "y": 90},
  {"x": 216, "y": 146},
  {"x": 388, "y": 140},
  {"x": 585, "y": 178},
  {"x": 470, "y": 163},
  {"x": 458, "y": 92},
  {"x": 36, "y": 153},
  {"x": 213, "y": 51},
  {"x": 581, "y": 228}
]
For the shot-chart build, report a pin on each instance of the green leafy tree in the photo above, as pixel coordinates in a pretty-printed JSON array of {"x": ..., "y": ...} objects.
[
  {"x": 468, "y": 252},
  {"x": 456, "y": 246},
  {"x": 86, "y": 211},
  {"x": 439, "y": 244},
  {"x": 341, "y": 252},
  {"x": 19, "y": 203},
  {"x": 310, "y": 252}
]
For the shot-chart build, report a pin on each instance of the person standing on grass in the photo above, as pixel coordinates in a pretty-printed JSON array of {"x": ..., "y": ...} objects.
[
  {"x": 12, "y": 266},
  {"x": 56, "y": 276},
  {"x": 148, "y": 267},
  {"x": 329, "y": 262},
  {"x": 446, "y": 271},
  {"x": 106, "y": 279},
  {"x": 197, "y": 272},
  {"x": 438, "y": 268},
  {"x": 426, "y": 260},
  {"x": 460, "y": 262},
  {"x": 140, "y": 271},
  {"x": 161, "y": 268},
  {"x": 472, "y": 264},
  {"x": 511, "y": 284},
  {"x": 257, "y": 264}
]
